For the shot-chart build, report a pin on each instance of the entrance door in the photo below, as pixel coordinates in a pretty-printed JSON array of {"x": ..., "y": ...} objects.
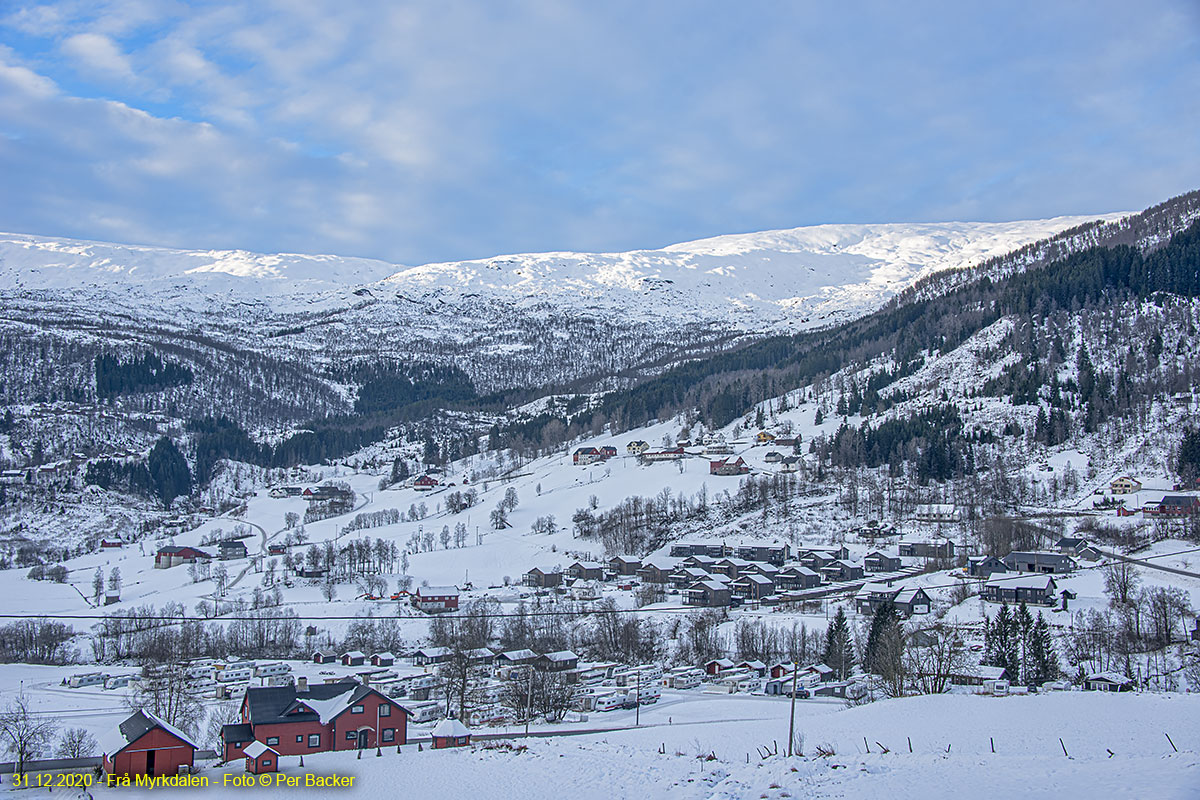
[
  {"x": 149, "y": 762},
  {"x": 362, "y": 739}
]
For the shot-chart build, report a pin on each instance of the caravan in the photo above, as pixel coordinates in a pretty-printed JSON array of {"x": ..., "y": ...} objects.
[{"x": 610, "y": 702}]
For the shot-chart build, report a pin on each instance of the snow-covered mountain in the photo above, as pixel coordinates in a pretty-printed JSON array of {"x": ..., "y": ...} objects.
[{"x": 755, "y": 281}]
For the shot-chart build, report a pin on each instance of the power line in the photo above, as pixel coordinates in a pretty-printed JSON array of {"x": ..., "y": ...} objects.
[{"x": 840, "y": 593}]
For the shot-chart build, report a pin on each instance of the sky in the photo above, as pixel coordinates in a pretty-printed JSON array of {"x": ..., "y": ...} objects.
[{"x": 437, "y": 131}]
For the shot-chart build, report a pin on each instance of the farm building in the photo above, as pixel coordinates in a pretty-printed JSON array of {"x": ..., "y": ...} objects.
[{"x": 146, "y": 745}]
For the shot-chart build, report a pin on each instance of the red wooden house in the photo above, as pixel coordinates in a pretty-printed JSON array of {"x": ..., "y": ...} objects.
[
  {"x": 436, "y": 598},
  {"x": 146, "y": 745},
  {"x": 425, "y": 483},
  {"x": 298, "y": 719},
  {"x": 172, "y": 555},
  {"x": 727, "y": 467}
]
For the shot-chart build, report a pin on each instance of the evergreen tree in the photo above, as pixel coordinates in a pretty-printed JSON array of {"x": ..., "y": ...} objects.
[
  {"x": 1187, "y": 464},
  {"x": 1003, "y": 642},
  {"x": 839, "y": 648},
  {"x": 1043, "y": 658},
  {"x": 169, "y": 473},
  {"x": 1023, "y": 626},
  {"x": 884, "y": 625}
]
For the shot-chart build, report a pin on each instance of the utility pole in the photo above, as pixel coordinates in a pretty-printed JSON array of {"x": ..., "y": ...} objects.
[
  {"x": 637, "y": 710},
  {"x": 792, "y": 724},
  {"x": 528, "y": 699}
]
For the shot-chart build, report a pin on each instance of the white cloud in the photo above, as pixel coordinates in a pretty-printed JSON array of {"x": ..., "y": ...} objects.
[{"x": 94, "y": 52}]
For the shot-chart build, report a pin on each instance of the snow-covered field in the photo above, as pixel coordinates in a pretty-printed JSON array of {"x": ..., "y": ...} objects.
[{"x": 1117, "y": 746}]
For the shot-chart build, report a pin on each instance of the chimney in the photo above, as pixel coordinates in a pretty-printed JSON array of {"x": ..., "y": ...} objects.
[{"x": 301, "y": 684}]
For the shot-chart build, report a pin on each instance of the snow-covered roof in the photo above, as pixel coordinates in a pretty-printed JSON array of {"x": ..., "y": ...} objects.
[
  {"x": 329, "y": 708},
  {"x": 433, "y": 652},
  {"x": 1110, "y": 677},
  {"x": 257, "y": 748},
  {"x": 437, "y": 591},
  {"x": 385, "y": 656},
  {"x": 756, "y": 578},
  {"x": 518, "y": 655},
  {"x": 451, "y": 728},
  {"x": 561, "y": 655},
  {"x": 907, "y": 595},
  {"x": 354, "y": 654},
  {"x": 1020, "y": 581},
  {"x": 712, "y": 586}
]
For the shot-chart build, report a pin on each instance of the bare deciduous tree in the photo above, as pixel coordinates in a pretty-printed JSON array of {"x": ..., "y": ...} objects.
[{"x": 25, "y": 733}]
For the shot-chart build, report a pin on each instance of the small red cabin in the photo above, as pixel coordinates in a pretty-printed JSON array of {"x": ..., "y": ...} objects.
[
  {"x": 450, "y": 733},
  {"x": 260, "y": 758},
  {"x": 146, "y": 745}
]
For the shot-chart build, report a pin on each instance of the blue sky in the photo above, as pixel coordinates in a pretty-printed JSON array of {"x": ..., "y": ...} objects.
[{"x": 419, "y": 132}]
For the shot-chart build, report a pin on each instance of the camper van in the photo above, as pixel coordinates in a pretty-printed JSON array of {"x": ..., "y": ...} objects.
[{"x": 118, "y": 681}]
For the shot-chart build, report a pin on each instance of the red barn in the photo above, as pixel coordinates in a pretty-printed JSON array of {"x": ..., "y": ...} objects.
[
  {"x": 260, "y": 758},
  {"x": 425, "y": 483},
  {"x": 146, "y": 745},
  {"x": 298, "y": 719}
]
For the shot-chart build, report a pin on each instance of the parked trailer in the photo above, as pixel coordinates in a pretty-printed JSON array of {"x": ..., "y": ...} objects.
[
  {"x": 232, "y": 674},
  {"x": 118, "y": 681},
  {"x": 686, "y": 680},
  {"x": 610, "y": 702},
  {"x": 424, "y": 712},
  {"x": 268, "y": 670},
  {"x": 649, "y": 694},
  {"x": 86, "y": 679}
]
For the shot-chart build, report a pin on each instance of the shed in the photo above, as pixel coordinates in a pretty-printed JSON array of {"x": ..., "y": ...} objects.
[
  {"x": 450, "y": 733},
  {"x": 260, "y": 758}
]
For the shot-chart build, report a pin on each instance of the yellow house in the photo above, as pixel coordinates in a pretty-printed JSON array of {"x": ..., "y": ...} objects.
[
  {"x": 764, "y": 437},
  {"x": 1125, "y": 485}
]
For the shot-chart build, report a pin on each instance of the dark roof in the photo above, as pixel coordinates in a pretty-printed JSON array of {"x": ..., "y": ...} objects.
[
  {"x": 272, "y": 704},
  {"x": 136, "y": 726},
  {"x": 1178, "y": 500},
  {"x": 233, "y": 543},
  {"x": 237, "y": 732}
]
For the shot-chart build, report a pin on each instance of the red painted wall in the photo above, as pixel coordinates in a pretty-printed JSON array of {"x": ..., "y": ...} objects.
[
  {"x": 287, "y": 733},
  {"x": 367, "y": 719},
  {"x": 170, "y": 753}
]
